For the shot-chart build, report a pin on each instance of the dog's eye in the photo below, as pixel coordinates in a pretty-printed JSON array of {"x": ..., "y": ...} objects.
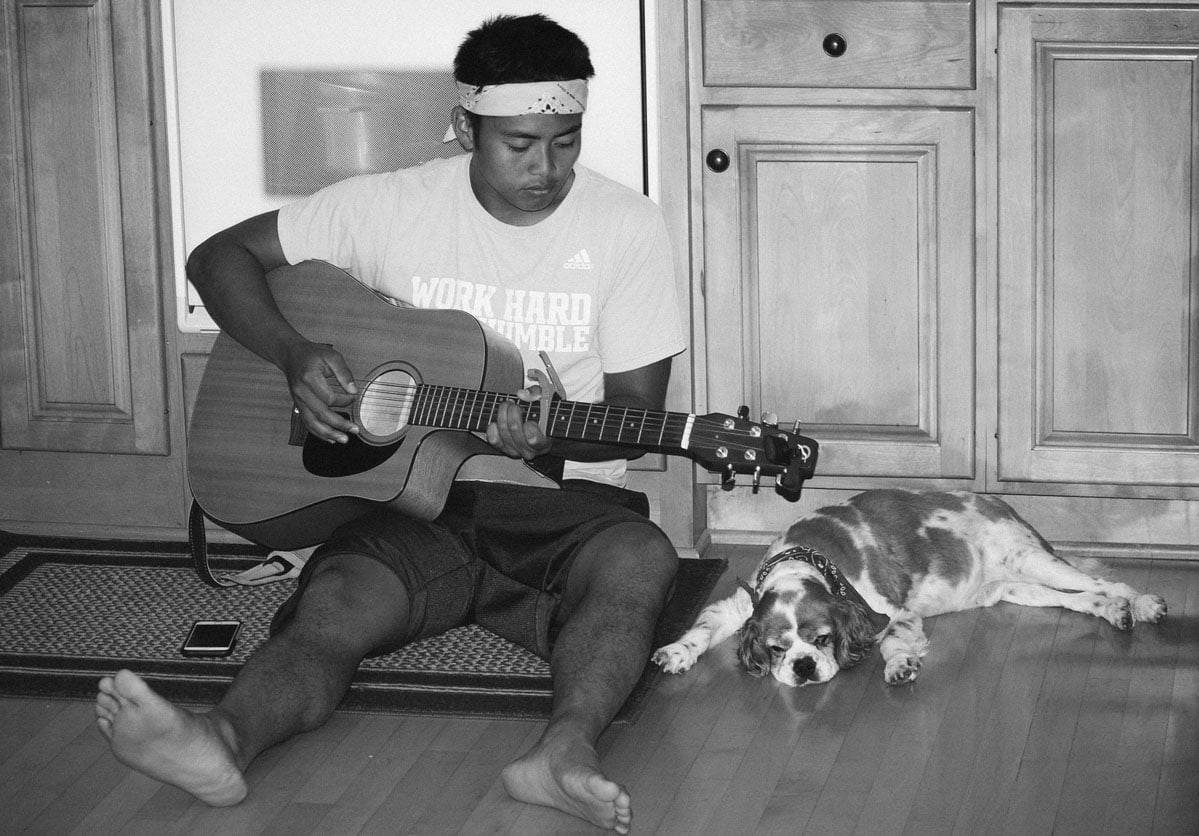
[
  {"x": 823, "y": 640},
  {"x": 777, "y": 649}
]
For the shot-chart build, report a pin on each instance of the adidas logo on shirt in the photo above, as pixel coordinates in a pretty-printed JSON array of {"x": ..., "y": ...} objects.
[{"x": 578, "y": 261}]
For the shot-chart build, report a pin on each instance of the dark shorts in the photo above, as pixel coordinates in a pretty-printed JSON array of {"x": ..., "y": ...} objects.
[{"x": 498, "y": 555}]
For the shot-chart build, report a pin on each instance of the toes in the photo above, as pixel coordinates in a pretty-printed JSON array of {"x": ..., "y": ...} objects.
[
  {"x": 1149, "y": 608},
  {"x": 108, "y": 686},
  {"x": 106, "y": 705},
  {"x": 132, "y": 687},
  {"x": 672, "y": 658},
  {"x": 624, "y": 812},
  {"x": 1119, "y": 613},
  {"x": 902, "y": 671}
]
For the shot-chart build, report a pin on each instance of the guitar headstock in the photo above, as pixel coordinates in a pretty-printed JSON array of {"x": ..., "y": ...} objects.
[{"x": 730, "y": 445}]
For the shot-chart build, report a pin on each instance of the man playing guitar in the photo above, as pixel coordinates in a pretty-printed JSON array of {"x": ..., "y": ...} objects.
[{"x": 559, "y": 260}]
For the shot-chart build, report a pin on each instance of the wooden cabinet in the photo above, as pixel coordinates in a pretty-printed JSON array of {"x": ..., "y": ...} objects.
[
  {"x": 838, "y": 43},
  {"x": 1099, "y": 249},
  {"x": 959, "y": 242},
  {"x": 839, "y": 263},
  {"x": 840, "y": 283},
  {"x": 85, "y": 427}
]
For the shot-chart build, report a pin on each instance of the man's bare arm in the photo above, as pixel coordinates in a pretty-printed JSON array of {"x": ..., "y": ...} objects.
[{"x": 229, "y": 270}]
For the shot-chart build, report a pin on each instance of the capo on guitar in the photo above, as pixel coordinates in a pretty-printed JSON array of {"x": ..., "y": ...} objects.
[{"x": 551, "y": 385}]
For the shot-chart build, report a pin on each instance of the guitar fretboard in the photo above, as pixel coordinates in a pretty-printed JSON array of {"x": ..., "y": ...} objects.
[{"x": 470, "y": 409}]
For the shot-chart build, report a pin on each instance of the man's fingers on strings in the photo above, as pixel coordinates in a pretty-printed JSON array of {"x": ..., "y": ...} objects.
[
  {"x": 323, "y": 421},
  {"x": 507, "y": 431}
]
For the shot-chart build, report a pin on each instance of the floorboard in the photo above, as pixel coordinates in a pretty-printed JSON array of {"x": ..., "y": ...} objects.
[{"x": 1023, "y": 721}]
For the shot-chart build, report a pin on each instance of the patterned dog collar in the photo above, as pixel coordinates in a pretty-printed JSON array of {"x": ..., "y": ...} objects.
[{"x": 838, "y": 584}]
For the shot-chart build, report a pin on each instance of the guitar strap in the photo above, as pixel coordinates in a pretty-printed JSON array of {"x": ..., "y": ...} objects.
[{"x": 277, "y": 566}]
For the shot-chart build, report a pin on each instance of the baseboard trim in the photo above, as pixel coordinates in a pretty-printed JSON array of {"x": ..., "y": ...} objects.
[
  {"x": 1066, "y": 548},
  {"x": 1137, "y": 551}
]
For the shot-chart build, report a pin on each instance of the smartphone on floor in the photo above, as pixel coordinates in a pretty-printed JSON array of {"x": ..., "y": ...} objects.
[{"x": 211, "y": 638}]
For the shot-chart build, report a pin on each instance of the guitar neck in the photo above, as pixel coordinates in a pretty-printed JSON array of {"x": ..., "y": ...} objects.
[{"x": 470, "y": 409}]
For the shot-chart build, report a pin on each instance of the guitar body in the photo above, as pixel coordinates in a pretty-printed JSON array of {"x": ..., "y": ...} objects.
[{"x": 251, "y": 473}]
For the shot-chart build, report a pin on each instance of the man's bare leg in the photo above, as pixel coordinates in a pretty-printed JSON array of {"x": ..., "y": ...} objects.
[
  {"x": 290, "y": 685},
  {"x": 618, "y": 586}
]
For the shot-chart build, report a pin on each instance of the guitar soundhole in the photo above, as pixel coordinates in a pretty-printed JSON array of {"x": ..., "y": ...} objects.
[{"x": 385, "y": 404}]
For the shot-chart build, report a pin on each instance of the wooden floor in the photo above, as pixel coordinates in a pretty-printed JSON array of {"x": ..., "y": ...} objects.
[{"x": 1023, "y": 721}]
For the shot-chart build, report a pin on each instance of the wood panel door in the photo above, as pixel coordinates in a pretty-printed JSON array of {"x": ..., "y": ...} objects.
[
  {"x": 85, "y": 405},
  {"x": 82, "y": 366},
  {"x": 1099, "y": 249},
  {"x": 839, "y": 280}
]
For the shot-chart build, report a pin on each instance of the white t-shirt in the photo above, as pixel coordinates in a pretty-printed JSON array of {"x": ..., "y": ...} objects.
[{"x": 592, "y": 285}]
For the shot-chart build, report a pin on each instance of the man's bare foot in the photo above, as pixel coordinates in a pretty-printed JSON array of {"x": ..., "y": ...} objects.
[
  {"x": 149, "y": 734},
  {"x": 563, "y": 772}
]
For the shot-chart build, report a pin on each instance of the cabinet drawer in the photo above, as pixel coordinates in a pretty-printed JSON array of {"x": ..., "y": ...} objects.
[{"x": 887, "y": 43}]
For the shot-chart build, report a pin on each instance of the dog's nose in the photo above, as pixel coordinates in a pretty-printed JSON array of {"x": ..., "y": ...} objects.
[{"x": 805, "y": 668}]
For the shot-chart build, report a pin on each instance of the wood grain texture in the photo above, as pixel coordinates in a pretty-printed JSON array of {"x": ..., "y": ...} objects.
[
  {"x": 888, "y": 44},
  {"x": 1023, "y": 721},
  {"x": 850, "y": 298},
  {"x": 1097, "y": 217},
  {"x": 81, "y": 347}
]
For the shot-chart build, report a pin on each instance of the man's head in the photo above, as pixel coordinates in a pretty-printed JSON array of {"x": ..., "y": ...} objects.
[
  {"x": 522, "y": 85},
  {"x": 516, "y": 50}
]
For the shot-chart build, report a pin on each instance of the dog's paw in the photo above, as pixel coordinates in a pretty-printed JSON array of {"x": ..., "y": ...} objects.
[
  {"x": 674, "y": 658},
  {"x": 1117, "y": 612},
  {"x": 901, "y": 669},
  {"x": 1148, "y": 608}
]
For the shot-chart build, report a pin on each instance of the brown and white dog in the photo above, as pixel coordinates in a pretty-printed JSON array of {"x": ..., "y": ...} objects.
[{"x": 847, "y": 577}]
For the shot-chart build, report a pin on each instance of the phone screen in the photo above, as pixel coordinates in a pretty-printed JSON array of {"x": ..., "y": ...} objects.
[{"x": 211, "y": 638}]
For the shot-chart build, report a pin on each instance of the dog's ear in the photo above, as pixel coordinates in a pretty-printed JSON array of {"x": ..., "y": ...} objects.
[
  {"x": 753, "y": 653},
  {"x": 855, "y": 633}
]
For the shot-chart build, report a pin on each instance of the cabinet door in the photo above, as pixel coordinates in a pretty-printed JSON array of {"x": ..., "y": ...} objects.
[
  {"x": 839, "y": 280},
  {"x": 81, "y": 340},
  {"x": 1098, "y": 248},
  {"x": 85, "y": 424}
]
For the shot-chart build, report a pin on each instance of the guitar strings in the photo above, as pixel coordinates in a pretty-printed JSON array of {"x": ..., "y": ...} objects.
[
  {"x": 482, "y": 405},
  {"x": 408, "y": 393}
]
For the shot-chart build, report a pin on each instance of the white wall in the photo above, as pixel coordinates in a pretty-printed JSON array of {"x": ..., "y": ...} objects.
[{"x": 216, "y": 49}]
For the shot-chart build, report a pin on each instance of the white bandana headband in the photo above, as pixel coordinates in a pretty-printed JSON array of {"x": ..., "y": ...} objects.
[{"x": 519, "y": 99}]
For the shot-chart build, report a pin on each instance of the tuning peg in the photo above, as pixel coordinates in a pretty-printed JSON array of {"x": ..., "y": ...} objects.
[
  {"x": 796, "y": 428},
  {"x": 743, "y": 412},
  {"x": 728, "y": 479},
  {"x": 770, "y": 419},
  {"x": 789, "y": 484},
  {"x": 757, "y": 479}
]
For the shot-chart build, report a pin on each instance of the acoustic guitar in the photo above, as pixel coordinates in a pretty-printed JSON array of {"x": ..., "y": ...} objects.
[{"x": 433, "y": 379}]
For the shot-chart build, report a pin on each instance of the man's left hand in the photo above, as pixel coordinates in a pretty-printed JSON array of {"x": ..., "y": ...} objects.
[{"x": 510, "y": 433}]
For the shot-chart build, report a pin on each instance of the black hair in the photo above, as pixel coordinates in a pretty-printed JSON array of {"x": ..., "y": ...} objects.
[{"x": 507, "y": 49}]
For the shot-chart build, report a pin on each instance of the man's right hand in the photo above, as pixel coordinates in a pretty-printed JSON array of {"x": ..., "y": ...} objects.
[
  {"x": 322, "y": 388},
  {"x": 229, "y": 269}
]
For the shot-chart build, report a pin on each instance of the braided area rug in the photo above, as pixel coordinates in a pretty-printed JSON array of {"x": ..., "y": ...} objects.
[{"x": 73, "y": 610}]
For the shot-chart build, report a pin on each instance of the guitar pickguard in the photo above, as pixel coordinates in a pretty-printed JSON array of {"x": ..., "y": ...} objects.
[{"x": 323, "y": 458}]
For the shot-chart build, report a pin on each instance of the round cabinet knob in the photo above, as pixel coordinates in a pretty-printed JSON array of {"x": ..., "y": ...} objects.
[
  {"x": 717, "y": 160},
  {"x": 834, "y": 45}
]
